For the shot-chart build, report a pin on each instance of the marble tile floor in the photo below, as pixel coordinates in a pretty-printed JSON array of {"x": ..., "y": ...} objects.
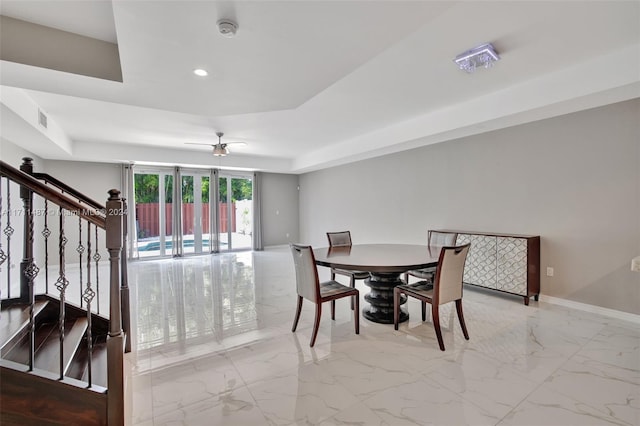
[{"x": 213, "y": 346}]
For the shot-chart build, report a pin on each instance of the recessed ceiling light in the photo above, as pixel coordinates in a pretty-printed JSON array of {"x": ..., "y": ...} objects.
[{"x": 200, "y": 72}]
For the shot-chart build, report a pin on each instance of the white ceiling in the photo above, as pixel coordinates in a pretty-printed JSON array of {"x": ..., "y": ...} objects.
[{"x": 311, "y": 84}]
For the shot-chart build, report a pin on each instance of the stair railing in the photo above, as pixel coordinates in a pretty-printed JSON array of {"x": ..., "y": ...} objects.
[
  {"x": 83, "y": 199},
  {"x": 111, "y": 219}
]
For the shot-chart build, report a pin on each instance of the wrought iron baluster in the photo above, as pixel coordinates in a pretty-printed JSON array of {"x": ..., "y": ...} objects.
[
  {"x": 3, "y": 256},
  {"x": 46, "y": 233},
  {"x": 96, "y": 258},
  {"x": 29, "y": 269},
  {"x": 8, "y": 232},
  {"x": 88, "y": 296},
  {"x": 80, "y": 250},
  {"x": 61, "y": 284}
]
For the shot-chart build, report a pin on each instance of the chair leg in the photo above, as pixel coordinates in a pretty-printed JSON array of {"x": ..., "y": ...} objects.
[
  {"x": 396, "y": 307},
  {"x": 333, "y": 276},
  {"x": 436, "y": 325},
  {"x": 316, "y": 324},
  {"x": 461, "y": 318},
  {"x": 297, "y": 317},
  {"x": 424, "y": 310},
  {"x": 353, "y": 285},
  {"x": 356, "y": 312},
  {"x": 406, "y": 278},
  {"x": 333, "y": 310}
]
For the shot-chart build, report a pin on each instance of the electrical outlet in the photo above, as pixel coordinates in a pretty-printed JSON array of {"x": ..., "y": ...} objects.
[{"x": 549, "y": 271}]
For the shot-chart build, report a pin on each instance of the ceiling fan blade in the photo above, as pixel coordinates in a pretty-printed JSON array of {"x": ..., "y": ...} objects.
[
  {"x": 235, "y": 143},
  {"x": 196, "y": 143}
]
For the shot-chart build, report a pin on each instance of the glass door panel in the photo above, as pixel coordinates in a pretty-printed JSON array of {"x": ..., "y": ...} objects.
[
  {"x": 223, "y": 211},
  {"x": 204, "y": 214},
  {"x": 236, "y": 213},
  {"x": 166, "y": 215},
  {"x": 153, "y": 213},
  {"x": 195, "y": 213},
  {"x": 189, "y": 228},
  {"x": 147, "y": 197}
]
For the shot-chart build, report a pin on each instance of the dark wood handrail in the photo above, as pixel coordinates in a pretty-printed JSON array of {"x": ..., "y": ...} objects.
[
  {"x": 69, "y": 190},
  {"x": 89, "y": 213}
]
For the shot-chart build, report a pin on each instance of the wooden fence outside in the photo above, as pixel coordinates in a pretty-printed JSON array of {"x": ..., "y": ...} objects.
[{"x": 148, "y": 219}]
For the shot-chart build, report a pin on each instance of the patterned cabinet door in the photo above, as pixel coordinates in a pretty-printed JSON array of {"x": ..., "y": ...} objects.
[
  {"x": 480, "y": 268},
  {"x": 512, "y": 265}
]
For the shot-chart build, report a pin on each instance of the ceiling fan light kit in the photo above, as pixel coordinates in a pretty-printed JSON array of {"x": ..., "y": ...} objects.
[{"x": 219, "y": 149}]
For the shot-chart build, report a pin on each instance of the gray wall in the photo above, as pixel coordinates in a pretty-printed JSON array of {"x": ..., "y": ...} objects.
[
  {"x": 92, "y": 179},
  {"x": 12, "y": 155},
  {"x": 574, "y": 180},
  {"x": 279, "y": 209}
]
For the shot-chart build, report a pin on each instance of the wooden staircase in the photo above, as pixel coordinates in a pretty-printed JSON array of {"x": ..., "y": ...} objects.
[
  {"x": 61, "y": 363},
  {"x": 14, "y": 340}
]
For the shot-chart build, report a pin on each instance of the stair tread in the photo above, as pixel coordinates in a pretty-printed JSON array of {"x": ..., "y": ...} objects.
[
  {"x": 79, "y": 367},
  {"x": 14, "y": 319},
  {"x": 47, "y": 345},
  {"x": 20, "y": 351},
  {"x": 48, "y": 354},
  {"x": 98, "y": 365}
]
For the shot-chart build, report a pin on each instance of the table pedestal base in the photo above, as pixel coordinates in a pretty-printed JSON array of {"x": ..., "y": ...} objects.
[{"x": 380, "y": 298}]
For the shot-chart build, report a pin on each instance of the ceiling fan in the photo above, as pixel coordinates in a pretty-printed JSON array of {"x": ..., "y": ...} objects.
[{"x": 219, "y": 149}]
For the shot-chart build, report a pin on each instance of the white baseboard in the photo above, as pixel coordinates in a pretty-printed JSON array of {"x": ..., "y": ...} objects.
[
  {"x": 280, "y": 246},
  {"x": 625, "y": 316}
]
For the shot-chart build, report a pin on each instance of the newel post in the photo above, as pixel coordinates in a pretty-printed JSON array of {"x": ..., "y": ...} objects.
[
  {"x": 115, "y": 340},
  {"x": 124, "y": 280}
]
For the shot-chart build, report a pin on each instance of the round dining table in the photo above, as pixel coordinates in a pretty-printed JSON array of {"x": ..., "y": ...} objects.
[{"x": 385, "y": 264}]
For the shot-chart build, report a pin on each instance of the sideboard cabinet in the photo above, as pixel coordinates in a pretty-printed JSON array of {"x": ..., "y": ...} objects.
[{"x": 502, "y": 262}]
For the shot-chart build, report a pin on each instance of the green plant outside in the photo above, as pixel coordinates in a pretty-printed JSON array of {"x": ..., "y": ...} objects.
[{"x": 147, "y": 189}]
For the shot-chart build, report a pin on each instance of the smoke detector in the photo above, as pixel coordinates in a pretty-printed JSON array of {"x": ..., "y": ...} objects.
[{"x": 227, "y": 28}]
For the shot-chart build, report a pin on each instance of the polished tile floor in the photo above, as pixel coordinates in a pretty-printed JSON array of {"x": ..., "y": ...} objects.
[{"x": 213, "y": 346}]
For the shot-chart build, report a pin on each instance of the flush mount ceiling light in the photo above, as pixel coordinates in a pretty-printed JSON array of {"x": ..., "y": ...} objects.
[
  {"x": 200, "y": 72},
  {"x": 481, "y": 56}
]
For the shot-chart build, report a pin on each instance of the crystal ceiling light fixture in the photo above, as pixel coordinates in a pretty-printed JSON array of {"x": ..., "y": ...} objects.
[{"x": 484, "y": 55}]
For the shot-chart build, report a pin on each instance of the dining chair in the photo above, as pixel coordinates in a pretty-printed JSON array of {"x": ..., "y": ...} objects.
[
  {"x": 434, "y": 238},
  {"x": 308, "y": 286},
  {"x": 445, "y": 288},
  {"x": 343, "y": 239}
]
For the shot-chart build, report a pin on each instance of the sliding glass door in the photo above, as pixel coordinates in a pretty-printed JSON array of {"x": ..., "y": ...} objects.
[
  {"x": 197, "y": 226},
  {"x": 195, "y": 212},
  {"x": 235, "y": 209},
  {"x": 153, "y": 220}
]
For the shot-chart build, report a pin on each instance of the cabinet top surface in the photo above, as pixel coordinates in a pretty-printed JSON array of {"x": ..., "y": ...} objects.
[{"x": 489, "y": 234}]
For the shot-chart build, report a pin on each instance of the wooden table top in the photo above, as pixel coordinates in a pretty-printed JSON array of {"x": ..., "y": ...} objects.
[{"x": 392, "y": 258}]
